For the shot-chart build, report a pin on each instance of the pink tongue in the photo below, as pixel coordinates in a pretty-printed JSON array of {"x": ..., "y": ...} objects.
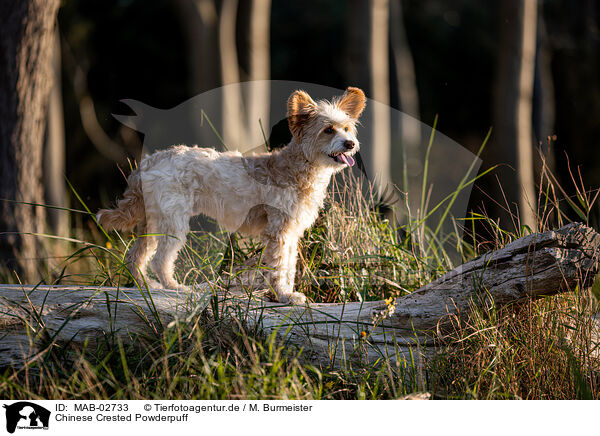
[{"x": 347, "y": 160}]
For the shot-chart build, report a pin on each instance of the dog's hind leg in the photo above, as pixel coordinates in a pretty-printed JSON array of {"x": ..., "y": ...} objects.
[
  {"x": 139, "y": 255},
  {"x": 169, "y": 245}
]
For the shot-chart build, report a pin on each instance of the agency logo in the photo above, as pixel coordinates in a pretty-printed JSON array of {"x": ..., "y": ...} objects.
[{"x": 24, "y": 415}]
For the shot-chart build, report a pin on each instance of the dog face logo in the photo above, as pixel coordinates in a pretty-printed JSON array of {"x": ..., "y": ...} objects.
[
  {"x": 327, "y": 130},
  {"x": 26, "y": 415}
]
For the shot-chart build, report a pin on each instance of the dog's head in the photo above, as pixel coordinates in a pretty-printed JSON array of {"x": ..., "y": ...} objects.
[{"x": 326, "y": 130}]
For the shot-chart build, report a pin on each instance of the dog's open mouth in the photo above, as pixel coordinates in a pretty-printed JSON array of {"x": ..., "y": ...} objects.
[{"x": 342, "y": 158}]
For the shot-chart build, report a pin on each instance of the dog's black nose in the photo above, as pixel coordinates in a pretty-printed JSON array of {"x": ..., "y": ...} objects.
[{"x": 349, "y": 144}]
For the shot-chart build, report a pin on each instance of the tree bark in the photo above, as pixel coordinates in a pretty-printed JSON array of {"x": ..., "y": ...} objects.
[
  {"x": 534, "y": 266},
  {"x": 513, "y": 106},
  {"x": 26, "y": 42}
]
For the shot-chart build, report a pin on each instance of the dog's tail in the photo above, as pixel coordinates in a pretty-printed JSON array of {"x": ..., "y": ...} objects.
[{"x": 129, "y": 211}]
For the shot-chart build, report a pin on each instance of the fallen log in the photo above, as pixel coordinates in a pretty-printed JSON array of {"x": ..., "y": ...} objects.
[{"x": 33, "y": 318}]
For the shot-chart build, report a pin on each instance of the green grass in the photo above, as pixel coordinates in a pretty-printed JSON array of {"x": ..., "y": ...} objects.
[{"x": 544, "y": 349}]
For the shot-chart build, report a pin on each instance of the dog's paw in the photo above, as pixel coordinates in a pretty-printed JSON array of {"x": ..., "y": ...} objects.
[
  {"x": 154, "y": 284},
  {"x": 173, "y": 286},
  {"x": 293, "y": 298},
  {"x": 265, "y": 294}
]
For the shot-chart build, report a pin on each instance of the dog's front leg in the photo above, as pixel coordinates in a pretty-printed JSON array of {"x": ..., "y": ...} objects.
[
  {"x": 279, "y": 255},
  {"x": 291, "y": 262}
]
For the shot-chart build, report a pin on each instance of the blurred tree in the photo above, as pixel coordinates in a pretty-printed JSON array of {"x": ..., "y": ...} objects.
[
  {"x": 543, "y": 93},
  {"x": 454, "y": 44},
  {"x": 408, "y": 95},
  {"x": 379, "y": 69},
  {"x": 54, "y": 149},
  {"x": 233, "y": 122},
  {"x": 241, "y": 116},
  {"x": 308, "y": 41},
  {"x": 408, "y": 104},
  {"x": 368, "y": 67},
  {"x": 513, "y": 110},
  {"x": 574, "y": 37},
  {"x": 89, "y": 118},
  {"x": 200, "y": 21},
  {"x": 111, "y": 50},
  {"x": 26, "y": 42},
  {"x": 259, "y": 64},
  {"x": 358, "y": 46}
]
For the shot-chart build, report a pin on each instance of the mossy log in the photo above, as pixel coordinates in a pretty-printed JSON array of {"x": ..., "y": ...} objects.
[{"x": 35, "y": 318}]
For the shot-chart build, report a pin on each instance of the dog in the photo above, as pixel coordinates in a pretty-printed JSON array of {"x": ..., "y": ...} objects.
[{"x": 275, "y": 196}]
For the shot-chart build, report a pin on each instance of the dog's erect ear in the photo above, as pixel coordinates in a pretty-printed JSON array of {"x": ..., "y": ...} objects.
[
  {"x": 300, "y": 108},
  {"x": 353, "y": 102}
]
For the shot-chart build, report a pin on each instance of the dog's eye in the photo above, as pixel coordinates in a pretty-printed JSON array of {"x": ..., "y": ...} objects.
[
  {"x": 328, "y": 130},
  {"x": 345, "y": 129}
]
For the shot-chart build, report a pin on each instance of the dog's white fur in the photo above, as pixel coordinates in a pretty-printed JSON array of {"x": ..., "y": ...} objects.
[{"x": 275, "y": 196}]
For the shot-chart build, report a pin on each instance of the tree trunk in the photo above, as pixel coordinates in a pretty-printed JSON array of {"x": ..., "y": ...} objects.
[
  {"x": 260, "y": 68},
  {"x": 358, "y": 45},
  {"x": 54, "y": 150},
  {"x": 379, "y": 66},
  {"x": 233, "y": 121},
  {"x": 368, "y": 68},
  {"x": 409, "y": 134},
  {"x": 513, "y": 106},
  {"x": 200, "y": 21},
  {"x": 26, "y": 42},
  {"x": 245, "y": 106},
  {"x": 408, "y": 96},
  {"x": 543, "y": 96},
  {"x": 537, "y": 265}
]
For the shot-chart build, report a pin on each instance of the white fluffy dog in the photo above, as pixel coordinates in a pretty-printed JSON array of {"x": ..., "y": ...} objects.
[{"x": 275, "y": 196}]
